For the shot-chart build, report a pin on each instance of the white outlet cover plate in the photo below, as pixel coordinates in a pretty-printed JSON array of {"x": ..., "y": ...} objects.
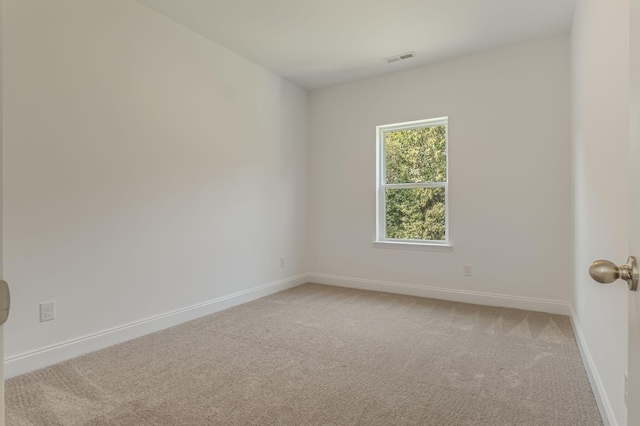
[{"x": 47, "y": 311}]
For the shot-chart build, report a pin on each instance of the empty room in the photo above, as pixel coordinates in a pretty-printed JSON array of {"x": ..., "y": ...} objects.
[{"x": 285, "y": 212}]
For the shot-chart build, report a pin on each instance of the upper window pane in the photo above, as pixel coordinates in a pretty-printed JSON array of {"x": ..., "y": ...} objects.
[{"x": 416, "y": 155}]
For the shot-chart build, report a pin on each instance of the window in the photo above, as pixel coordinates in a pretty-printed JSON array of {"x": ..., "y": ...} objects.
[{"x": 412, "y": 183}]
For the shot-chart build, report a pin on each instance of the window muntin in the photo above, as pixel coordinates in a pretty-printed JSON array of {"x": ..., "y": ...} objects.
[{"x": 412, "y": 182}]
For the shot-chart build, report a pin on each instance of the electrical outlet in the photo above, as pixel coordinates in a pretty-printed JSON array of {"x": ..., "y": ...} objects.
[
  {"x": 626, "y": 389},
  {"x": 282, "y": 262},
  {"x": 47, "y": 311},
  {"x": 466, "y": 270}
]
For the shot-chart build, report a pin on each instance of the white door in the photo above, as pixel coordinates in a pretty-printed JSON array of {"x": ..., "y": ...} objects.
[
  {"x": 605, "y": 271},
  {"x": 633, "y": 398},
  {"x": 1, "y": 142}
]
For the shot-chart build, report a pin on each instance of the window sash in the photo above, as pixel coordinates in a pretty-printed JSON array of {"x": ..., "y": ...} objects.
[
  {"x": 413, "y": 185},
  {"x": 423, "y": 124},
  {"x": 382, "y": 212}
]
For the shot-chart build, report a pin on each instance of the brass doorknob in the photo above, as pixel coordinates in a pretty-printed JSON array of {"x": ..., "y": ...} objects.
[
  {"x": 606, "y": 272},
  {"x": 5, "y": 301}
]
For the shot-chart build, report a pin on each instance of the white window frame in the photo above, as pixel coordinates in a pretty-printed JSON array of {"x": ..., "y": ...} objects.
[{"x": 381, "y": 240}]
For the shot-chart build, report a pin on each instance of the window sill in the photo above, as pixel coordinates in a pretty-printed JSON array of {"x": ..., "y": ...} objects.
[{"x": 413, "y": 246}]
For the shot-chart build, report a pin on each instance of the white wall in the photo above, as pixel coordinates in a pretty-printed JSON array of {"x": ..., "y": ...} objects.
[
  {"x": 147, "y": 169},
  {"x": 510, "y": 183},
  {"x": 600, "y": 43}
]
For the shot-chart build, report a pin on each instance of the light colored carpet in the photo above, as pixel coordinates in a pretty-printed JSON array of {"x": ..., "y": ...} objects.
[{"x": 319, "y": 355}]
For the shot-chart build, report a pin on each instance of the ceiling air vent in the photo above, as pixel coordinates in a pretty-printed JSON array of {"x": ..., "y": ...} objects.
[{"x": 400, "y": 57}]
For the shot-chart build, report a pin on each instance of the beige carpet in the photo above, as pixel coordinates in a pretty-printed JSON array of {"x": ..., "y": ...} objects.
[{"x": 319, "y": 355}]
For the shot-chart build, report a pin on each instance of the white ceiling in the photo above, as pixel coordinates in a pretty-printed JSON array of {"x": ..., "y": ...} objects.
[{"x": 325, "y": 42}]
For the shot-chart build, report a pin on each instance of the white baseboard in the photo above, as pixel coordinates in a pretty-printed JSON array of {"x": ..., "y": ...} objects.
[
  {"x": 478, "y": 298},
  {"x": 40, "y": 358},
  {"x": 604, "y": 405}
]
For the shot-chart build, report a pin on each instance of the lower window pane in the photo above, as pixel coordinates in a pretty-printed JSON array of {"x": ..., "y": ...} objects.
[{"x": 416, "y": 214}]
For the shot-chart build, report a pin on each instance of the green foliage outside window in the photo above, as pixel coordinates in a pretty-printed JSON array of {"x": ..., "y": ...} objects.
[{"x": 416, "y": 156}]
